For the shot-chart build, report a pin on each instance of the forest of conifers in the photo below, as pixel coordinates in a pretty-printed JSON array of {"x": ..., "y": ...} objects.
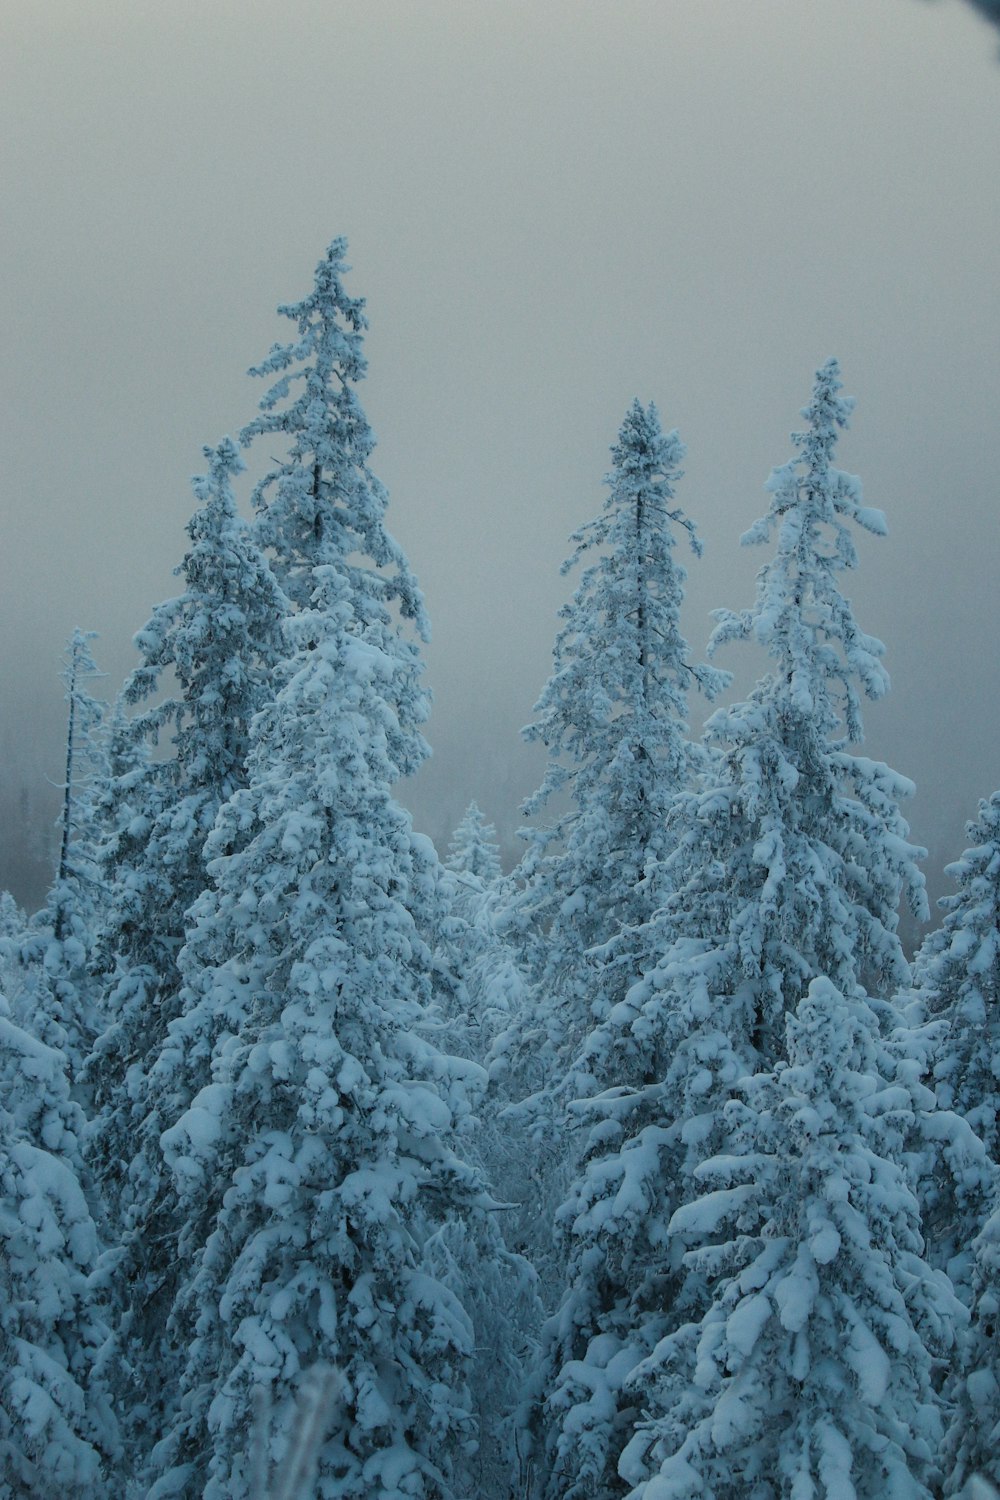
[{"x": 652, "y": 1169}]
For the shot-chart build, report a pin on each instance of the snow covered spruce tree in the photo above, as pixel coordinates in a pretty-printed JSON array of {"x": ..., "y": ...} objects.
[
  {"x": 483, "y": 989},
  {"x": 216, "y": 643},
  {"x": 473, "y": 851},
  {"x": 56, "y": 1435},
  {"x": 311, "y": 1149},
  {"x": 57, "y": 948},
  {"x": 613, "y": 718},
  {"x": 787, "y": 866},
  {"x": 808, "y": 1373},
  {"x": 953, "y": 1036},
  {"x": 219, "y": 640},
  {"x": 466, "y": 941},
  {"x": 313, "y": 1153},
  {"x": 958, "y": 987},
  {"x": 972, "y": 1446},
  {"x": 12, "y": 918},
  {"x": 958, "y": 976},
  {"x": 321, "y": 505},
  {"x": 13, "y": 925}
]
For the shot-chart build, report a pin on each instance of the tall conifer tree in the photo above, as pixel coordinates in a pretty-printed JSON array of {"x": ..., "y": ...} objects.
[
  {"x": 57, "y": 1435},
  {"x": 958, "y": 985},
  {"x": 473, "y": 852},
  {"x": 613, "y": 717},
  {"x": 311, "y": 1144},
  {"x": 316, "y": 1151},
  {"x": 220, "y": 640},
  {"x": 972, "y": 1446},
  {"x": 810, "y": 1372},
  {"x": 321, "y": 505},
  {"x": 57, "y": 950},
  {"x": 787, "y": 866},
  {"x": 958, "y": 974}
]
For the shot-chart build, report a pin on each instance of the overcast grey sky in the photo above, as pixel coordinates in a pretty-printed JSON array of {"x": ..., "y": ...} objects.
[{"x": 551, "y": 207}]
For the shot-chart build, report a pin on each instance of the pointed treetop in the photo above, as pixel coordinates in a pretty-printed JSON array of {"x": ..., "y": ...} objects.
[
  {"x": 621, "y": 665},
  {"x": 212, "y": 490},
  {"x": 322, "y": 505},
  {"x": 800, "y": 615},
  {"x": 644, "y": 455},
  {"x": 82, "y": 753},
  {"x": 330, "y": 325},
  {"x": 826, "y": 412},
  {"x": 221, "y": 638},
  {"x": 79, "y": 669},
  {"x": 473, "y": 849}
]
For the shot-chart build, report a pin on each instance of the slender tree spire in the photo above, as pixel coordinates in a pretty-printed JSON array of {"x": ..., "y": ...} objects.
[
  {"x": 57, "y": 951},
  {"x": 84, "y": 717},
  {"x": 321, "y": 505},
  {"x": 613, "y": 717}
]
